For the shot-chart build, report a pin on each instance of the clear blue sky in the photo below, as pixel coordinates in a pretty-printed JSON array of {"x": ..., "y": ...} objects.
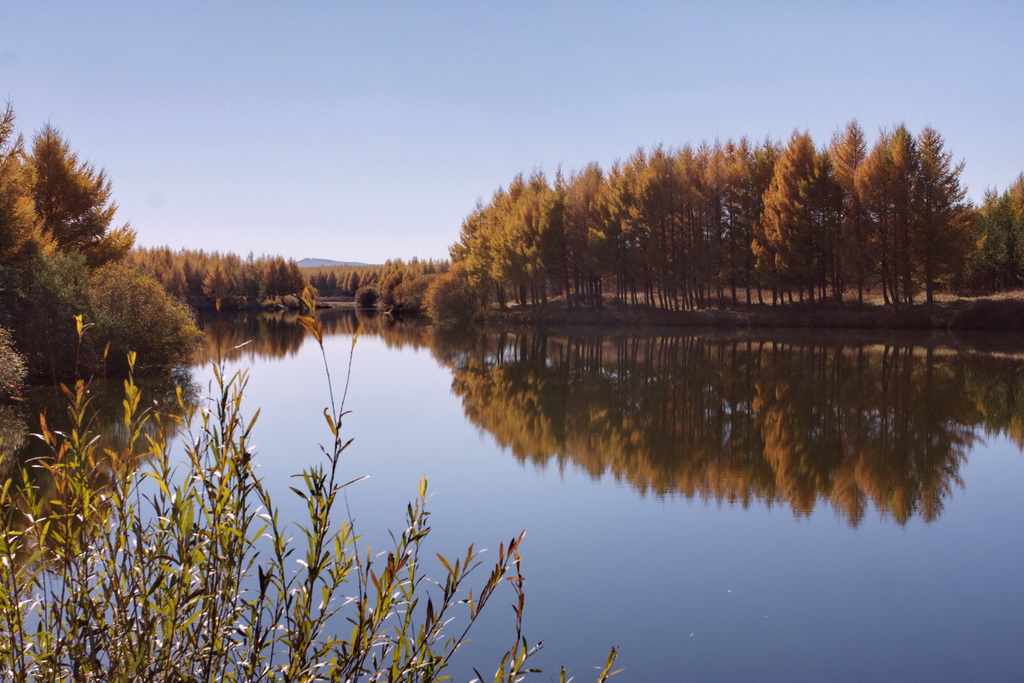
[{"x": 362, "y": 131}]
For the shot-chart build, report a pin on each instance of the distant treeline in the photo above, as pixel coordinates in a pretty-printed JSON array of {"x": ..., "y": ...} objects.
[
  {"x": 342, "y": 281},
  {"x": 741, "y": 222},
  {"x": 204, "y": 278},
  {"x": 397, "y": 285}
]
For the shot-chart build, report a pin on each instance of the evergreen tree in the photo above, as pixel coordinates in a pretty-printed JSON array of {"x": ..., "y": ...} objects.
[
  {"x": 903, "y": 156},
  {"x": 788, "y": 254},
  {"x": 216, "y": 284},
  {"x": 943, "y": 226},
  {"x": 18, "y": 225},
  {"x": 715, "y": 265},
  {"x": 848, "y": 151},
  {"x": 759, "y": 174},
  {"x": 885, "y": 187},
  {"x": 825, "y": 207},
  {"x": 581, "y": 220},
  {"x": 689, "y": 241},
  {"x": 997, "y": 261},
  {"x": 73, "y": 201}
]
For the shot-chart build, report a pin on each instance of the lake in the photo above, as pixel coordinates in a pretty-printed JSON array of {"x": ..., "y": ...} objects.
[{"x": 721, "y": 505}]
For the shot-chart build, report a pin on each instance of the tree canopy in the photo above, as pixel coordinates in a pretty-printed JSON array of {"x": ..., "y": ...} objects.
[
  {"x": 59, "y": 251},
  {"x": 727, "y": 222},
  {"x": 73, "y": 201}
]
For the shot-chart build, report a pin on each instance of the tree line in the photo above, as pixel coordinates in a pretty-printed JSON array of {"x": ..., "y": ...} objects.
[
  {"x": 206, "y": 280},
  {"x": 998, "y": 262},
  {"x": 737, "y": 222},
  {"x": 62, "y": 255},
  {"x": 342, "y": 281},
  {"x": 397, "y": 285}
]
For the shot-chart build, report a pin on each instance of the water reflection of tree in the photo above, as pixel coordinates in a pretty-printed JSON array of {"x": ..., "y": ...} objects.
[
  {"x": 24, "y": 457},
  {"x": 734, "y": 420},
  {"x": 849, "y": 420},
  {"x": 13, "y": 434},
  {"x": 1002, "y": 400},
  {"x": 269, "y": 334}
]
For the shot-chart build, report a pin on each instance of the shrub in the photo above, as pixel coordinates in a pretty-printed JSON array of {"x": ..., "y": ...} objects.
[
  {"x": 55, "y": 292},
  {"x": 451, "y": 298},
  {"x": 186, "y": 589},
  {"x": 133, "y": 312},
  {"x": 130, "y": 310},
  {"x": 366, "y": 297},
  {"x": 12, "y": 365},
  {"x": 410, "y": 293}
]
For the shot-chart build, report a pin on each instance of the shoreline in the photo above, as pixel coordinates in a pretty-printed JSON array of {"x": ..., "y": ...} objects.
[{"x": 1006, "y": 314}]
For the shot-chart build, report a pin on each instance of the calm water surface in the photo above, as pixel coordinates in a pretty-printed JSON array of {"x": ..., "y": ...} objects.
[
  {"x": 721, "y": 506},
  {"x": 750, "y": 506}
]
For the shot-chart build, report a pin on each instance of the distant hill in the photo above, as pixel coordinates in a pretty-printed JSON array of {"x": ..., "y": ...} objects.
[{"x": 317, "y": 262}]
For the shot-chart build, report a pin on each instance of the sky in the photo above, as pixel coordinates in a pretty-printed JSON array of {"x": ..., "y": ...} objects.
[{"x": 363, "y": 131}]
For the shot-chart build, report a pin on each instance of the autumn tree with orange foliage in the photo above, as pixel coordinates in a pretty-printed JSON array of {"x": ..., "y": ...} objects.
[
  {"x": 60, "y": 272},
  {"x": 717, "y": 224}
]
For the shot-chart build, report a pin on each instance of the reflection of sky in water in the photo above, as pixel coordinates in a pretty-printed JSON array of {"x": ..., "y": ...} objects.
[
  {"x": 694, "y": 584},
  {"x": 686, "y": 587}
]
